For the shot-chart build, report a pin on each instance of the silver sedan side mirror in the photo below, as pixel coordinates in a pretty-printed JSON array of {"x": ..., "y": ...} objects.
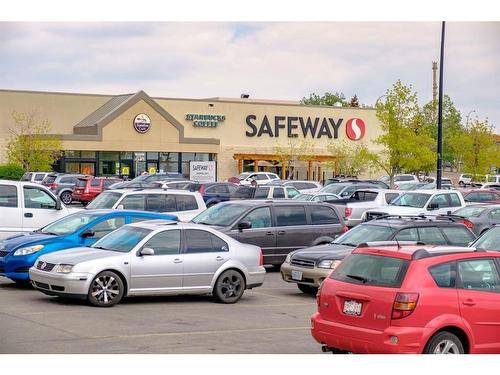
[{"x": 147, "y": 251}]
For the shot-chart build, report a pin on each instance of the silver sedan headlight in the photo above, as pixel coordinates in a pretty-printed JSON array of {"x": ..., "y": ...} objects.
[
  {"x": 64, "y": 268},
  {"x": 331, "y": 264},
  {"x": 28, "y": 250}
]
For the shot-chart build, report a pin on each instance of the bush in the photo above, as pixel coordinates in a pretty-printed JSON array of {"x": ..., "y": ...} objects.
[{"x": 11, "y": 172}]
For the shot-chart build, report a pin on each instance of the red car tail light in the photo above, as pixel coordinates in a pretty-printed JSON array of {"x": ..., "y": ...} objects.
[
  {"x": 345, "y": 229},
  {"x": 52, "y": 186},
  {"x": 261, "y": 259},
  {"x": 202, "y": 189},
  {"x": 404, "y": 304},
  {"x": 347, "y": 212},
  {"x": 469, "y": 224}
]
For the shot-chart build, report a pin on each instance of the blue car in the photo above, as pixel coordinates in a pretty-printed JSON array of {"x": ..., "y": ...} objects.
[{"x": 19, "y": 253}]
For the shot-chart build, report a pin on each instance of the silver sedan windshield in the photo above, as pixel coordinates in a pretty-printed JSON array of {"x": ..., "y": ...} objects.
[{"x": 123, "y": 239}]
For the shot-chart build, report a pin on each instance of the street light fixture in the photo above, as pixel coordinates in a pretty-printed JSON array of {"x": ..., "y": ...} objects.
[{"x": 467, "y": 122}]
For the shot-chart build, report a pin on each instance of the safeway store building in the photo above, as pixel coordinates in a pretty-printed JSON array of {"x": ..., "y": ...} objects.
[{"x": 125, "y": 135}]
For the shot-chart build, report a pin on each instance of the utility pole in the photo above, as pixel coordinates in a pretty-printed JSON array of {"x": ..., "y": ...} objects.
[
  {"x": 440, "y": 114},
  {"x": 434, "y": 89}
]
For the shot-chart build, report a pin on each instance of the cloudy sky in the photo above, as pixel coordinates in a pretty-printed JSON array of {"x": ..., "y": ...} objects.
[{"x": 286, "y": 60}]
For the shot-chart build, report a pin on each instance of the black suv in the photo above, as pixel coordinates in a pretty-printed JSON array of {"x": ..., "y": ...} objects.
[
  {"x": 277, "y": 227},
  {"x": 309, "y": 267}
]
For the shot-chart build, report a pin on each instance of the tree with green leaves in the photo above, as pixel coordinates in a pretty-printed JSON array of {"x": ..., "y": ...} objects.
[
  {"x": 479, "y": 150},
  {"x": 327, "y": 98},
  {"x": 407, "y": 143},
  {"x": 31, "y": 145},
  {"x": 288, "y": 154},
  {"x": 352, "y": 159},
  {"x": 452, "y": 126}
]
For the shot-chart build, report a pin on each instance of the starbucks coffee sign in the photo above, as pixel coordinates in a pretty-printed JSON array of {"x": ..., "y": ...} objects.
[
  {"x": 142, "y": 123},
  {"x": 205, "y": 121}
]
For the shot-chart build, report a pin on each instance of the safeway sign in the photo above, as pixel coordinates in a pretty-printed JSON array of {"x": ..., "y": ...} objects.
[{"x": 202, "y": 171}]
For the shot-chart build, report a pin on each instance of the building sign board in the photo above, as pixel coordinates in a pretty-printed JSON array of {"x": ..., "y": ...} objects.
[
  {"x": 205, "y": 121},
  {"x": 202, "y": 171},
  {"x": 142, "y": 123},
  {"x": 295, "y": 126}
]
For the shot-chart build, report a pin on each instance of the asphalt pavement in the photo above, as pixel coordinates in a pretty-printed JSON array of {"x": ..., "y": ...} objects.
[{"x": 271, "y": 319}]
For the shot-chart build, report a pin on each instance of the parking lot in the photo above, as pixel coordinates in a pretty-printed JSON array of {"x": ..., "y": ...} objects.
[{"x": 271, "y": 319}]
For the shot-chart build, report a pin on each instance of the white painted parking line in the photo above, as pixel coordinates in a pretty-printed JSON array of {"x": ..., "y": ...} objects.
[{"x": 187, "y": 333}]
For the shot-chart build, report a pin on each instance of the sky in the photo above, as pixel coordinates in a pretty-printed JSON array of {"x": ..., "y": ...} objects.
[{"x": 282, "y": 60}]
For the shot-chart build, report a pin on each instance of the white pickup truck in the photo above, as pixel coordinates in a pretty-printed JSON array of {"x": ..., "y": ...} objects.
[
  {"x": 361, "y": 200},
  {"x": 26, "y": 206},
  {"x": 418, "y": 202}
]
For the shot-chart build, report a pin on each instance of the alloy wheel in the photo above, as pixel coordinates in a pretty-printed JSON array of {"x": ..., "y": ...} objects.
[
  {"x": 446, "y": 347},
  {"x": 230, "y": 285},
  {"x": 105, "y": 289},
  {"x": 66, "y": 197}
]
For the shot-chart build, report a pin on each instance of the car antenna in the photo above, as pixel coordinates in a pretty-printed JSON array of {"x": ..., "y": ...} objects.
[{"x": 395, "y": 237}]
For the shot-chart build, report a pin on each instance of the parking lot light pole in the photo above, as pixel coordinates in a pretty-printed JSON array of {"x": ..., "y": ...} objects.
[{"x": 440, "y": 114}]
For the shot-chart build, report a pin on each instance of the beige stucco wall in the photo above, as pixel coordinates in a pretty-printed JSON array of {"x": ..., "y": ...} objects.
[{"x": 66, "y": 110}]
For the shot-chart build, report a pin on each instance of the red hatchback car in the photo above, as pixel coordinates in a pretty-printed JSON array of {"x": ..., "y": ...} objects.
[
  {"x": 86, "y": 189},
  {"x": 409, "y": 299}
]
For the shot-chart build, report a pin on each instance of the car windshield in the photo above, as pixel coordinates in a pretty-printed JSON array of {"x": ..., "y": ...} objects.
[
  {"x": 334, "y": 188},
  {"x": 416, "y": 200},
  {"x": 220, "y": 214},
  {"x": 489, "y": 241},
  {"x": 69, "y": 224},
  {"x": 123, "y": 239},
  {"x": 365, "y": 233},
  {"x": 104, "y": 200},
  {"x": 470, "y": 211}
]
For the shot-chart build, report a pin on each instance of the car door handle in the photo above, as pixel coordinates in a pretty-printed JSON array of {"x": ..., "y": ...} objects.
[
  {"x": 468, "y": 302},
  {"x": 269, "y": 233},
  {"x": 281, "y": 232},
  {"x": 177, "y": 260},
  {"x": 219, "y": 259},
  {"x": 28, "y": 214}
]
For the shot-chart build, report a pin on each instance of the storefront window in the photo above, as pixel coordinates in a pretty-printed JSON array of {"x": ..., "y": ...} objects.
[
  {"x": 109, "y": 164},
  {"x": 128, "y": 155},
  {"x": 169, "y": 161},
  {"x": 72, "y": 154},
  {"x": 152, "y": 155},
  {"x": 87, "y": 168},
  {"x": 191, "y": 156},
  {"x": 72, "y": 167},
  {"x": 88, "y": 154}
]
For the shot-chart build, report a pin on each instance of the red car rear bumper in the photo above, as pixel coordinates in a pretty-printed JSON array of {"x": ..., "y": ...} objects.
[
  {"x": 83, "y": 197},
  {"x": 362, "y": 340}
]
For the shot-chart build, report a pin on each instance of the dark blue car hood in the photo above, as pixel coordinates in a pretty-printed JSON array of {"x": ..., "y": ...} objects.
[
  {"x": 28, "y": 239},
  {"x": 322, "y": 252}
]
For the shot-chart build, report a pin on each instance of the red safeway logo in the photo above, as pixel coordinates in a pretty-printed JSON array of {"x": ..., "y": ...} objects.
[{"x": 355, "y": 129}]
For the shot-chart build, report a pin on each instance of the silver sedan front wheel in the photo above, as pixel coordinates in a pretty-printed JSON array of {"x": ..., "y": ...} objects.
[{"x": 106, "y": 289}]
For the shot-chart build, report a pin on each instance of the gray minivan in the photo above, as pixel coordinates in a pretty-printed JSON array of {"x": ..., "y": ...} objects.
[{"x": 277, "y": 227}]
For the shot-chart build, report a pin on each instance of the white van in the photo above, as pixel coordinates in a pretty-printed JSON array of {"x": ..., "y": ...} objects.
[
  {"x": 182, "y": 203},
  {"x": 26, "y": 206}
]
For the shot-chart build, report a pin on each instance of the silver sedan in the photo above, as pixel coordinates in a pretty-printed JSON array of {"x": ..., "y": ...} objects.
[{"x": 152, "y": 258}]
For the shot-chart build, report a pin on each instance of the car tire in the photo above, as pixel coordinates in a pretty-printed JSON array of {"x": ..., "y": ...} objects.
[
  {"x": 229, "y": 287},
  {"x": 307, "y": 289},
  {"x": 106, "y": 289},
  {"x": 66, "y": 197},
  {"x": 444, "y": 343},
  {"x": 461, "y": 183}
]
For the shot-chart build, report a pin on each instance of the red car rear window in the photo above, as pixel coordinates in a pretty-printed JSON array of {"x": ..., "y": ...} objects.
[{"x": 375, "y": 270}]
